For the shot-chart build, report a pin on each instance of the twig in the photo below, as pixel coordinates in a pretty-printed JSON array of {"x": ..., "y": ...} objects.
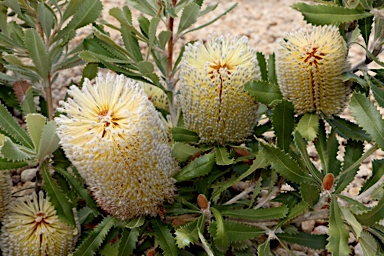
[
  {"x": 369, "y": 191},
  {"x": 170, "y": 50},
  {"x": 241, "y": 195}
]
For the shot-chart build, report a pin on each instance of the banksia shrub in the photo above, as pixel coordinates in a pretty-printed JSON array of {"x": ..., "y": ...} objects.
[
  {"x": 32, "y": 227},
  {"x": 212, "y": 77},
  {"x": 116, "y": 139},
  {"x": 5, "y": 192},
  {"x": 309, "y": 64}
]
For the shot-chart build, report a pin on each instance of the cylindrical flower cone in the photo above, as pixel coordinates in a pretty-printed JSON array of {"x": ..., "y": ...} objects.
[
  {"x": 5, "y": 192},
  {"x": 115, "y": 138},
  {"x": 309, "y": 65},
  {"x": 212, "y": 78},
  {"x": 31, "y": 227}
]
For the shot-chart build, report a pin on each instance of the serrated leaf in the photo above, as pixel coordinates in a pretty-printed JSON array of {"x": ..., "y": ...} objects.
[
  {"x": 152, "y": 32},
  {"x": 365, "y": 26},
  {"x": 316, "y": 242},
  {"x": 310, "y": 193},
  {"x": 353, "y": 151},
  {"x": 334, "y": 165},
  {"x": 204, "y": 243},
  {"x": 352, "y": 221},
  {"x": 37, "y": 51},
  {"x": 128, "y": 241},
  {"x": 165, "y": 238},
  {"x": 369, "y": 244},
  {"x": 378, "y": 93},
  {"x": 57, "y": 197},
  {"x": 135, "y": 223},
  {"x": 28, "y": 104},
  {"x": 264, "y": 249},
  {"x": 257, "y": 214},
  {"x": 10, "y": 165},
  {"x": 347, "y": 129},
  {"x": 184, "y": 135},
  {"x": 373, "y": 215},
  {"x": 354, "y": 206},
  {"x": 236, "y": 231},
  {"x": 263, "y": 66},
  {"x": 35, "y": 124},
  {"x": 145, "y": 67},
  {"x": 188, "y": 17},
  {"x": 263, "y": 91},
  {"x": 368, "y": 117},
  {"x": 308, "y": 126},
  {"x": 285, "y": 165},
  {"x": 188, "y": 234},
  {"x": 13, "y": 151},
  {"x": 71, "y": 8},
  {"x": 329, "y": 14},
  {"x": 93, "y": 242},
  {"x": 164, "y": 38},
  {"x": 338, "y": 233},
  {"x": 220, "y": 237},
  {"x": 49, "y": 140},
  {"x": 200, "y": 166},
  {"x": 78, "y": 188},
  {"x": 182, "y": 151},
  {"x": 143, "y": 6},
  {"x": 271, "y": 69},
  {"x": 296, "y": 210},
  {"x": 377, "y": 173},
  {"x": 283, "y": 123},
  {"x": 45, "y": 18},
  {"x": 222, "y": 156}
]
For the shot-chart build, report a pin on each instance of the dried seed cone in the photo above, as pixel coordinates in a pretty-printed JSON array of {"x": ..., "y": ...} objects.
[
  {"x": 308, "y": 66},
  {"x": 5, "y": 192},
  {"x": 212, "y": 76},
  {"x": 31, "y": 227},
  {"x": 116, "y": 139}
]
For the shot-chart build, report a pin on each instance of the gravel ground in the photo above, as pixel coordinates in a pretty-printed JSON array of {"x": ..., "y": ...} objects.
[{"x": 263, "y": 22}]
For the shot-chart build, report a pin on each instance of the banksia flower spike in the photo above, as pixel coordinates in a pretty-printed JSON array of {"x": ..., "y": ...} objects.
[
  {"x": 5, "y": 192},
  {"x": 31, "y": 227},
  {"x": 212, "y": 76},
  {"x": 308, "y": 67},
  {"x": 116, "y": 139}
]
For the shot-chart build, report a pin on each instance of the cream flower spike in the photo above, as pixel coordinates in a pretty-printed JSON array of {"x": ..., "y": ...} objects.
[
  {"x": 212, "y": 78},
  {"x": 308, "y": 66},
  {"x": 5, "y": 192},
  {"x": 116, "y": 139},
  {"x": 31, "y": 227}
]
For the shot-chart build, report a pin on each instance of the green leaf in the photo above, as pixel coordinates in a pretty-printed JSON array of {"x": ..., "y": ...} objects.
[
  {"x": 310, "y": 193},
  {"x": 333, "y": 165},
  {"x": 296, "y": 210},
  {"x": 257, "y": 214},
  {"x": 78, "y": 188},
  {"x": 184, "y": 135},
  {"x": 283, "y": 123},
  {"x": 316, "y": 242},
  {"x": 347, "y": 129},
  {"x": 369, "y": 244},
  {"x": 188, "y": 17},
  {"x": 377, "y": 173},
  {"x": 329, "y": 14},
  {"x": 271, "y": 69},
  {"x": 263, "y": 66},
  {"x": 198, "y": 167},
  {"x": 222, "y": 156},
  {"x": 236, "y": 231},
  {"x": 264, "y": 249},
  {"x": 145, "y": 67},
  {"x": 353, "y": 151},
  {"x": 365, "y": 26},
  {"x": 263, "y": 91},
  {"x": 13, "y": 151},
  {"x": 308, "y": 126},
  {"x": 164, "y": 38},
  {"x": 220, "y": 237},
  {"x": 188, "y": 234},
  {"x": 49, "y": 140},
  {"x": 45, "y": 18},
  {"x": 135, "y": 223},
  {"x": 35, "y": 124},
  {"x": 10, "y": 165},
  {"x": 285, "y": 165},
  {"x": 89, "y": 71},
  {"x": 143, "y": 6},
  {"x": 37, "y": 51},
  {"x": 71, "y": 8},
  {"x": 56, "y": 196},
  {"x": 93, "y": 242},
  {"x": 165, "y": 238},
  {"x": 28, "y": 104},
  {"x": 368, "y": 117},
  {"x": 128, "y": 241},
  {"x": 152, "y": 32},
  {"x": 374, "y": 215},
  {"x": 378, "y": 93},
  {"x": 352, "y": 221},
  {"x": 182, "y": 151},
  {"x": 338, "y": 233}
]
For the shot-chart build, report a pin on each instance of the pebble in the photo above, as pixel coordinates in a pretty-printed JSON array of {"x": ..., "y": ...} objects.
[
  {"x": 308, "y": 225},
  {"x": 358, "y": 250},
  {"x": 320, "y": 230},
  {"x": 28, "y": 174}
]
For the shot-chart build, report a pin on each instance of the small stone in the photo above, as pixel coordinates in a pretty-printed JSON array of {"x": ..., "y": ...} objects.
[
  {"x": 351, "y": 238},
  {"x": 354, "y": 191},
  {"x": 28, "y": 175},
  {"x": 359, "y": 250},
  {"x": 308, "y": 225},
  {"x": 320, "y": 230},
  {"x": 27, "y": 189}
]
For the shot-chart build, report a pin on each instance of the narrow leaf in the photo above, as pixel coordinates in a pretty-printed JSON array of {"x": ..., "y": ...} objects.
[
  {"x": 13, "y": 151},
  {"x": 263, "y": 66},
  {"x": 263, "y": 91},
  {"x": 35, "y": 124},
  {"x": 220, "y": 237},
  {"x": 352, "y": 221},
  {"x": 316, "y": 242},
  {"x": 264, "y": 249},
  {"x": 37, "y": 51},
  {"x": 57, "y": 197},
  {"x": 45, "y": 18},
  {"x": 347, "y": 129},
  {"x": 28, "y": 104},
  {"x": 296, "y": 210},
  {"x": 369, "y": 244},
  {"x": 163, "y": 38},
  {"x": 310, "y": 193},
  {"x": 198, "y": 167},
  {"x": 238, "y": 232},
  {"x": 283, "y": 123},
  {"x": 182, "y": 151},
  {"x": 188, "y": 17},
  {"x": 368, "y": 117},
  {"x": 377, "y": 173},
  {"x": 93, "y": 242},
  {"x": 374, "y": 215},
  {"x": 10, "y": 165},
  {"x": 329, "y": 14},
  {"x": 222, "y": 156},
  {"x": 165, "y": 238},
  {"x": 271, "y": 69},
  {"x": 49, "y": 140},
  {"x": 128, "y": 241},
  {"x": 257, "y": 214},
  {"x": 184, "y": 135}
]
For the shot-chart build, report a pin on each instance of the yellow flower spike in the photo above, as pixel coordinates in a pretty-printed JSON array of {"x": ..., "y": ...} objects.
[
  {"x": 5, "y": 192},
  {"x": 212, "y": 76},
  {"x": 156, "y": 95},
  {"x": 31, "y": 227},
  {"x": 116, "y": 139},
  {"x": 309, "y": 64}
]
